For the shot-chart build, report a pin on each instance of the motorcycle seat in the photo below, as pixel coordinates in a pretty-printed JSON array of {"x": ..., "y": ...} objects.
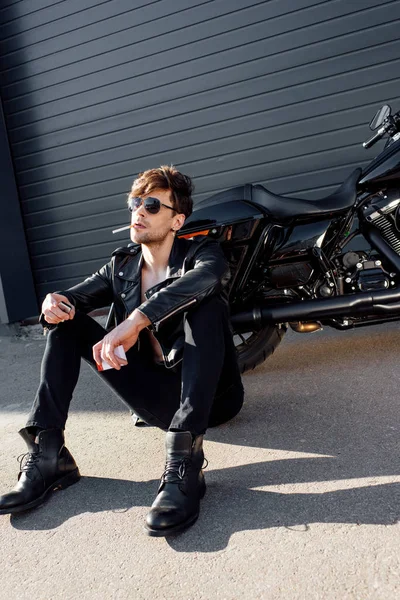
[{"x": 284, "y": 208}]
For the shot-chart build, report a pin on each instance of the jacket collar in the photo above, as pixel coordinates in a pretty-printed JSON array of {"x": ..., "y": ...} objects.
[
  {"x": 177, "y": 256},
  {"x": 132, "y": 260}
]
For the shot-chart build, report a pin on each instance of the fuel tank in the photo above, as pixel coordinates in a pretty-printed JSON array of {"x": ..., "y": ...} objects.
[{"x": 383, "y": 170}]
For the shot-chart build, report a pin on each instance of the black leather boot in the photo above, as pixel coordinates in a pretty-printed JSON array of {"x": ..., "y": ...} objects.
[
  {"x": 177, "y": 504},
  {"x": 47, "y": 466}
]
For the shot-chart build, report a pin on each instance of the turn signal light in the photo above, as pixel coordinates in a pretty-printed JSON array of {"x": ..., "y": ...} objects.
[{"x": 187, "y": 236}]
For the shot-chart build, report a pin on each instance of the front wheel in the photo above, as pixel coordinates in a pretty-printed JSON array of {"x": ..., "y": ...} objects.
[{"x": 253, "y": 347}]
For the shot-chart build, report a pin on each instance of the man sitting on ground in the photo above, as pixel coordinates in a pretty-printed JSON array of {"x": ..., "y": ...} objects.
[{"x": 180, "y": 373}]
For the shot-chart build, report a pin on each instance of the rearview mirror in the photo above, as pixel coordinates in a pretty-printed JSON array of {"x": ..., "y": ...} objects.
[{"x": 380, "y": 116}]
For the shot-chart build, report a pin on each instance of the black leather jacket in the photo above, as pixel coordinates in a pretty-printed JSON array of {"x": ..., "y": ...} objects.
[{"x": 196, "y": 269}]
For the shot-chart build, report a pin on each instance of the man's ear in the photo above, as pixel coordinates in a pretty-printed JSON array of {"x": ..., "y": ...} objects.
[{"x": 178, "y": 222}]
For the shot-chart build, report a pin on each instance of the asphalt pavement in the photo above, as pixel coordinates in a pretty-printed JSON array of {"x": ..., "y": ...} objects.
[{"x": 303, "y": 498}]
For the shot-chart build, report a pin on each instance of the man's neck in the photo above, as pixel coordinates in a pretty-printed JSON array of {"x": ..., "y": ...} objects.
[{"x": 156, "y": 256}]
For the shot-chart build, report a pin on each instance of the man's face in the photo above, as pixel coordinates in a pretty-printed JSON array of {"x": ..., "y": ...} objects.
[{"x": 153, "y": 229}]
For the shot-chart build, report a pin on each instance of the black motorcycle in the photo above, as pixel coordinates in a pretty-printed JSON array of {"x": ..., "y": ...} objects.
[{"x": 306, "y": 264}]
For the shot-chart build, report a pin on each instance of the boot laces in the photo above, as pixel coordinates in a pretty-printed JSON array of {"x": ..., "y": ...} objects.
[
  {"x": 175, "y": 470},
  {"x": 27, "y": 461}
]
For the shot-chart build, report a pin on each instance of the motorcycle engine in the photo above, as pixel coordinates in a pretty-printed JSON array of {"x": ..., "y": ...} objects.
[
  {"x": 384, "y": 214},
  {"x": 363, "y": 273},
  {"x": 368, "y": 275}
]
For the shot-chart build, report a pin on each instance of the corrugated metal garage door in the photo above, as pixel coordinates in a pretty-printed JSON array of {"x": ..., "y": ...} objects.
[{"x": 231, "y": 91}]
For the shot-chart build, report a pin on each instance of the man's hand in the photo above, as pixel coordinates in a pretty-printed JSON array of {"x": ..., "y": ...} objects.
[
  {"x": 125, "y": 334},
  {"x": 53, "y": 311}
]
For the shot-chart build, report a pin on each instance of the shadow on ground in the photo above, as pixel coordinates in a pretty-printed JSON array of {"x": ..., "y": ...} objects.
[{"x": 229, "y": 507}]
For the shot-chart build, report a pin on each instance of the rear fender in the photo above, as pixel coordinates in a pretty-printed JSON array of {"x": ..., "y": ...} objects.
[
  {"x": 218, "y": 216},
  {"x": 237, "y": 225}
]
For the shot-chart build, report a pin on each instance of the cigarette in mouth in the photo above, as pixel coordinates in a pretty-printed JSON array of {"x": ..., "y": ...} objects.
[{"x": 121, "y": 229}]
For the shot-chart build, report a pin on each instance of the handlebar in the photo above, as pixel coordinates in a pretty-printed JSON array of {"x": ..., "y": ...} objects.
[{"x": 380, "y": 133}]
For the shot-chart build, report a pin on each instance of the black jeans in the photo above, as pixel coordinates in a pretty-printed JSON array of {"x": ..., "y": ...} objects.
[{"x": 205, "y": 389}]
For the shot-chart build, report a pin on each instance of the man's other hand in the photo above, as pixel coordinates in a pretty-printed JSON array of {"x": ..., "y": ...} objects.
[
  {"x": 54, "y": 312},
  {"x": 125, "y": 334}
]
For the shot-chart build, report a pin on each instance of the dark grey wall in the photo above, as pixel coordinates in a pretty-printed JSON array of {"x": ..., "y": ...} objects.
[
  {"x": 231, "y": 91},
  {"x": 17, "y": 292}
]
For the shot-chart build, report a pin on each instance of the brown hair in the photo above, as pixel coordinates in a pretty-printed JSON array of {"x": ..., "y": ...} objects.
[{"x": 166, "y": 178}]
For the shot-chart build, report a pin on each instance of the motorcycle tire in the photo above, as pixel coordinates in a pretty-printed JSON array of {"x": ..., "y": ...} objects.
[{"x": 254, "y": 347}]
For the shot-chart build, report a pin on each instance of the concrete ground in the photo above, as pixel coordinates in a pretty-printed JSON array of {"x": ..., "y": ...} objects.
[{"x": 303, "y": 496}]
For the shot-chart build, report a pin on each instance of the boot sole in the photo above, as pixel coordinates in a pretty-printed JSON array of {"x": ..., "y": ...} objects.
[
  {"x": 60, "y": 484},
  {"x": 177, "y": 528}
]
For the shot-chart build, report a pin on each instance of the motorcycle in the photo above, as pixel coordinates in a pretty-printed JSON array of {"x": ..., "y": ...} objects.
[{"x": 306, "y": 264}]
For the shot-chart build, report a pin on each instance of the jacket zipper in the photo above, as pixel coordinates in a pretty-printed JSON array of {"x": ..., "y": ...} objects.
[
  {"x": 167, "y": 363},
  {"x": 167, "y": 316}
]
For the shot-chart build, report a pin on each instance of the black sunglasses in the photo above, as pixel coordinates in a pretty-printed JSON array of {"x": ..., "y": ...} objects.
[{"x": 151, "y": 205}]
